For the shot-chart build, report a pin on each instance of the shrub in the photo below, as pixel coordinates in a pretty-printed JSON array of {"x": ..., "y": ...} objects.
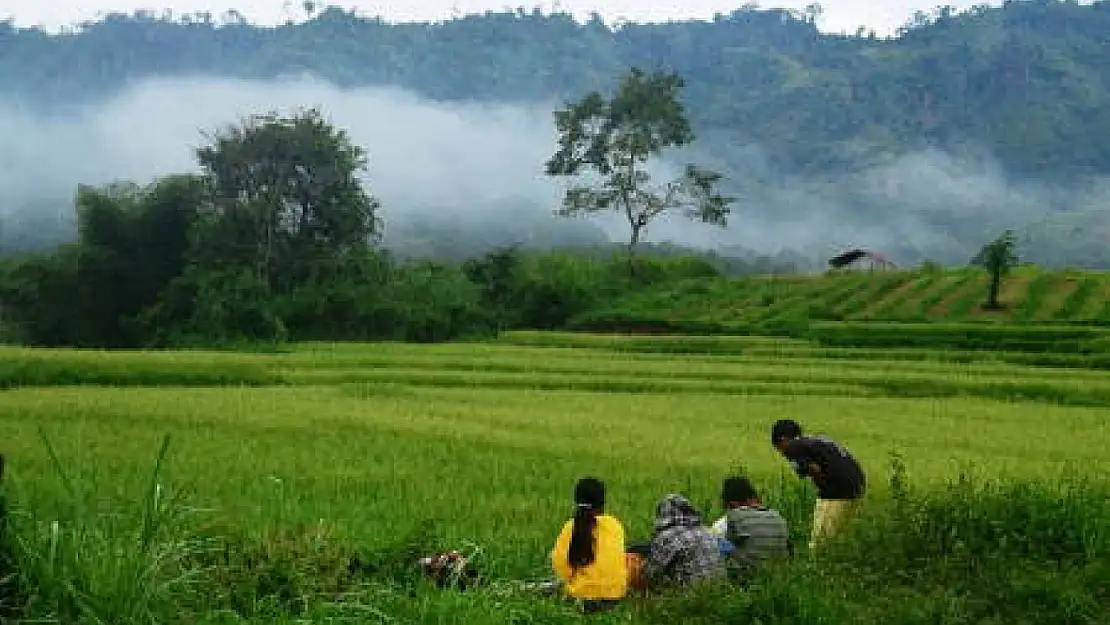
[
  {"x": 129, "y": 568},
  {"x": 427, "y": 302},
  {"x": 1016, "y": 551},
  {"x": 214, "y": 308},
  {"x": 37, "y": 299}
]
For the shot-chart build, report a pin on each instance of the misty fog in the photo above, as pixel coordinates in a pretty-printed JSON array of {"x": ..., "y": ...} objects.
[{"x": 443, "y": 166}]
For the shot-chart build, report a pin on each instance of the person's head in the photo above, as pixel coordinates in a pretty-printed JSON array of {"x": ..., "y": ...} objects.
[
  {"x": 589, "y": 501},
  {"x": 737, "y": 491},
  {"x": 675, "y": 510},
  {"x": 784, "y": 431},
  {"x": 589, "y": 494}
]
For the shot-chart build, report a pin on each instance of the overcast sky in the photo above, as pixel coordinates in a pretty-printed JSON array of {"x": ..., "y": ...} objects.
[{"x": 840, "y": 15}]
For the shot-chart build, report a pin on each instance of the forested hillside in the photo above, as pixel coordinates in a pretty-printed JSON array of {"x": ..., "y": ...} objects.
[
  {"x": 924, "y": 145},
  {"x": 1026, "y": 81}
]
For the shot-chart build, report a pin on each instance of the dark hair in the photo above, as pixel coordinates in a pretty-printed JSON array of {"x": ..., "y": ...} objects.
[
  {"x": 589, "y": 497},
  {"x": 785, "y": 428},
  {"x": 738, "y": 488}
]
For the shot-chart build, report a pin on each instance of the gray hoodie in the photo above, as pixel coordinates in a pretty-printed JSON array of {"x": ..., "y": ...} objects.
[{"x": 682, "y": 551}]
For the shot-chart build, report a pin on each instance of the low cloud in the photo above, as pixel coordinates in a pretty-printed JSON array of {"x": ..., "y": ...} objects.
[{"x": 453, "y": 164}]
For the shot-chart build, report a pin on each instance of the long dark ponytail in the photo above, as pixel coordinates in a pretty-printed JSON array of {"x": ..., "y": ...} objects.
[{"x": 589, "y": 500}]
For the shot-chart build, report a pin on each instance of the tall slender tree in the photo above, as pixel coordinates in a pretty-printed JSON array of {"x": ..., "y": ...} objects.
[{"x": 613, "y": 139}]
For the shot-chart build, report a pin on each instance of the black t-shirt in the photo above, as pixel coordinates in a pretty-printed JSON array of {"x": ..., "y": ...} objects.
[{"x": 841, "y": 476}]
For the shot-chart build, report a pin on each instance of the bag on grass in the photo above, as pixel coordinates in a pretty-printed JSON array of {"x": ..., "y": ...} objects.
[{"x": 450, "y": 569}]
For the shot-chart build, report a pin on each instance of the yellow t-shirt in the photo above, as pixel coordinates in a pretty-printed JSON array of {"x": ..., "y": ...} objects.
[{"x": 604, "y": 578}]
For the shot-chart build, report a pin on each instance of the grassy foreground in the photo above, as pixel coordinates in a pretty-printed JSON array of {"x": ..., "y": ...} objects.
[{"x": 989, "y": 503}]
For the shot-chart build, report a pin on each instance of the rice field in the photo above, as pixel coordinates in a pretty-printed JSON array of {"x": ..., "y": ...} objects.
[
  {"x": 484, "y": 441},
  {"x": 1029, "y": 296}
]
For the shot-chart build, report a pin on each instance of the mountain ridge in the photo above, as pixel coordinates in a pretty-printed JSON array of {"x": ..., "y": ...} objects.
[{"x": 811, "y": 125}]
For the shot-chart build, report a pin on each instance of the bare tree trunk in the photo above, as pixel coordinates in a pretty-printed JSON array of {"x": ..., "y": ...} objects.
[
  {"x": 992, "y": 291},
  {"x": 634, "y": 226},
  {"x": 634, "y": 240}
]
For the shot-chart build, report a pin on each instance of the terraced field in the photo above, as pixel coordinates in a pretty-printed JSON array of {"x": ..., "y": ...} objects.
[
  {"x": 378, "y": 446},
  {"x": 1029, "y": 296}
]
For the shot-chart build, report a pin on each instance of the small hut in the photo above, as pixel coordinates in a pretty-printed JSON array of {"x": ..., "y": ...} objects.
[{"x": 858, "y": 259}]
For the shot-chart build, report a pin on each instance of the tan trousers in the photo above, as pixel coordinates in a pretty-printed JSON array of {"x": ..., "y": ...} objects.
[{"x": 829, "y": 516}]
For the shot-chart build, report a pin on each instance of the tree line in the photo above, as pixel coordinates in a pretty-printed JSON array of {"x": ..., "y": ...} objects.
[
  {"x": 276, "y": 239},
  {"x": 1024, "y": 83}
]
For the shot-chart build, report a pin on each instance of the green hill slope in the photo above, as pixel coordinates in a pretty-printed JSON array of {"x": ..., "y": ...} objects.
[{"x": 778, "y": 303}]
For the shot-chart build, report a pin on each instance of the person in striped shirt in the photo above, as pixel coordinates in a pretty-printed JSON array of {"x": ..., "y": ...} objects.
[{"x": 753, "y": 532}]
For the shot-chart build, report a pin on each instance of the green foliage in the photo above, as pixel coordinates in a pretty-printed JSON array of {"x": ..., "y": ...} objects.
[
  {"x": 275, "y": 231},
  {"x": 37, "y": 299},
  {"x": 496, "y": 276},
  {"x": 286, "y": 197},
  {"x": 274, "y": 241},
  {"x": 547, "y": 291},
  {"x": 133, "y": 244},
  {"x": 1028, "y": 542},
  {"x": 62, "y": 565},
  {"x": 554, "y": 288},
  {"x": 998, "y": 258},
  {"x": 615, "y": 138},
  {"x": 227, "y": 307},
  {"x": 432, "y": 303},
  {"x": 346, "y": 302}
]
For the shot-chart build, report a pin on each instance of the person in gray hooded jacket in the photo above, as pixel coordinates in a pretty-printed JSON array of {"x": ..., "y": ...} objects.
[{"x": 682, "y": 551}]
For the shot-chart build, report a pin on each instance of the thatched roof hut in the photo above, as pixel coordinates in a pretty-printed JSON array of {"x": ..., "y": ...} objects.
[{"x": 857, "y": 257}]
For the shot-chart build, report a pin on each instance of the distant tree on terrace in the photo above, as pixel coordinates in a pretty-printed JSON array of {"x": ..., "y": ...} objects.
[
  {"x": 613, "y": 140},
  {"x": 998, "y": 258}
]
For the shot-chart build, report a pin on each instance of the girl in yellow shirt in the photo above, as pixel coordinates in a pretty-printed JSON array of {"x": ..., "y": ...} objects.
[{"x": 589, "y": 555}]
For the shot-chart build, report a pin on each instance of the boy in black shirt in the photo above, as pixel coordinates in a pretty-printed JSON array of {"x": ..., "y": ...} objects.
[{"x": 839, "y": 479}]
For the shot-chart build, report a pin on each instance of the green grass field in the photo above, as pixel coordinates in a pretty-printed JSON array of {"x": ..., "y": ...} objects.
[{"x": 395, "y": 450}]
